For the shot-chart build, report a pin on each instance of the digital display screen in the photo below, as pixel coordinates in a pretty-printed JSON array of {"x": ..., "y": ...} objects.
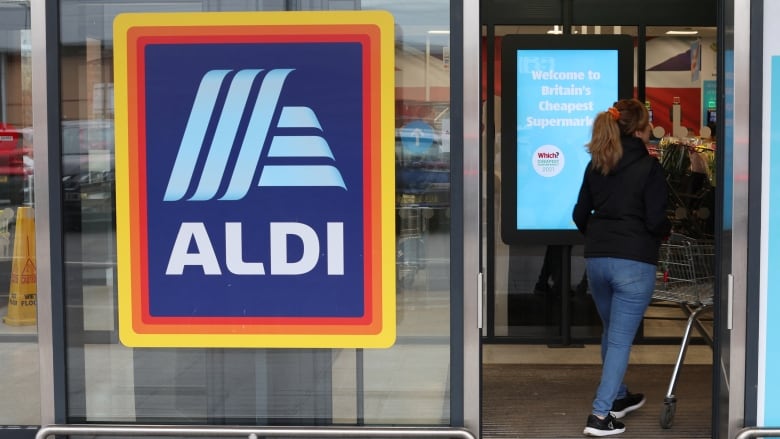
[{"x": 557, "y": 93}]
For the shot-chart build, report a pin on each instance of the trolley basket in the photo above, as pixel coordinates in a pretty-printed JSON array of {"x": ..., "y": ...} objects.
[{"x": 685, "y": 276}]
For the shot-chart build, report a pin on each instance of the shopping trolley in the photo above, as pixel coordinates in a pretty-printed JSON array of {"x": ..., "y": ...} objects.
[
  {"x": 410, "y": 247},
  {"x": 422, "y": 186},
  {"x": 685, "y": 276}
]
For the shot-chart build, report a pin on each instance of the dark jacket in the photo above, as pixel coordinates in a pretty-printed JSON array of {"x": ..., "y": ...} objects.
[{"x": 623, "y": 214}]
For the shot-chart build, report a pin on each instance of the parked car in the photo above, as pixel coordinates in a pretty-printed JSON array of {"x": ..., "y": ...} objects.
[
  {"x": 88, "y": 172},
  {"x": 15, "y": 166}
]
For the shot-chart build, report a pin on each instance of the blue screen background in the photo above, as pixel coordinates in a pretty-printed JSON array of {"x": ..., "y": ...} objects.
[{"x": 590, "y": 86}]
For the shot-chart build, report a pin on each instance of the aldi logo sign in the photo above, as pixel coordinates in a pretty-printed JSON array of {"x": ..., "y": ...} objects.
[{"x": 255, "y": 179}]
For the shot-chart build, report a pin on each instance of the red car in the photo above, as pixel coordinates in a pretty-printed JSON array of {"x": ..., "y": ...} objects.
[{"x": 15, "y": 166}]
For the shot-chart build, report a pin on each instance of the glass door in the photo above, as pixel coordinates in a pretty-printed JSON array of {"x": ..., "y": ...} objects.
[
  {"x": 410, "y": 383},
  {"x": 19, "y": 357}
]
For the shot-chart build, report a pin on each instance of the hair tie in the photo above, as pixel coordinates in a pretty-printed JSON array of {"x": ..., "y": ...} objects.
[{"x": 614, "y": 112}]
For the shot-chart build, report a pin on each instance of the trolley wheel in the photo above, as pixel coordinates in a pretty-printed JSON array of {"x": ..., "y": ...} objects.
[{"x": 667, "y": 413}]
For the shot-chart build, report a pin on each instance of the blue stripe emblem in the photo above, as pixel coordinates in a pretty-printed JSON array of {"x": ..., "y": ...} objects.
[{"x": 258, "y": 130}]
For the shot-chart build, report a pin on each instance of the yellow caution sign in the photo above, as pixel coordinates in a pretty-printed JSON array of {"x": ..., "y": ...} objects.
[{"x": 23, "y": 292}]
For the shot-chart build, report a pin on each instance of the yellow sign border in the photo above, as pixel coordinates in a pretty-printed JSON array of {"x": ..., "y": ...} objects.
[{"x": 123, "y": 24}]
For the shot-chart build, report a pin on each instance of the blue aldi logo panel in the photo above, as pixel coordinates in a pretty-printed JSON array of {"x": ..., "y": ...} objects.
[
  {"x": 260, "y": 208},
  {"x": 254, "y": 184}
]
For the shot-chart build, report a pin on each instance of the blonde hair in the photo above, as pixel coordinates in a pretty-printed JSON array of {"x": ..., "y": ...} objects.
[{"x": 624, "y": 118}]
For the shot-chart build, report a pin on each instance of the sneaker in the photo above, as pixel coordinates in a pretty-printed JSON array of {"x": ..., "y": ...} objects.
[
  {"x": 603, "y": 427},
  {"x": 632, "y": 401}
]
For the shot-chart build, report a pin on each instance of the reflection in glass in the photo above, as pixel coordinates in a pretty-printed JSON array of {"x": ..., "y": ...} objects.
[
  {"x": 18, "y": 290},
  {"x": 107, "y": 382}
]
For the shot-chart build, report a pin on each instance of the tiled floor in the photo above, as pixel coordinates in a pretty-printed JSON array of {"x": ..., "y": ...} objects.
[{"x": 20, "y": 384}]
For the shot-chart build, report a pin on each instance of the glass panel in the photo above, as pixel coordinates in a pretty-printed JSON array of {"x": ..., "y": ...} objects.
[
  {"x": 416, "y": 369},
  {"x": 681, "y": 68},
  {"x": 525, "y": 277},
  {"x": 405, "y": 384},
  {"x": 680, "y": 85},
  {"x": 681, "y": 90},
  {"x": 18, "y": 297}
]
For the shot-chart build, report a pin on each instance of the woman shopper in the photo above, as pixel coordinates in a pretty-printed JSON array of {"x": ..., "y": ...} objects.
[{"x": 621, "y": 210}]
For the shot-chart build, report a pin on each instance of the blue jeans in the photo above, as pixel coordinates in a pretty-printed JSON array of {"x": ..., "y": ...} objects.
[{"x": 622, "y": 290}]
